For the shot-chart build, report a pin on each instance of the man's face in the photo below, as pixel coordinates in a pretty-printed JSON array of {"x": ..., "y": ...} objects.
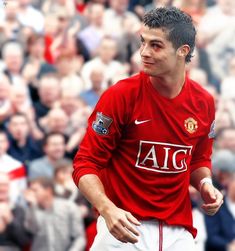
[
  {"x": 14, "y": 61},
  {"x": 108, "y": 50},
  {"x": 40, "y": 193},
  {"x": 55, "y": 147},
  {"x": 18, "y": 127},
  {"x": 3, "y": 144},
  {"x": 157, "y": 52},
  {"x": 49, "y": 90}
]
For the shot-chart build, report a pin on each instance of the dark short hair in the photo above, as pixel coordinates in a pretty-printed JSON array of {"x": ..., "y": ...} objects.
[
  {"x": 45, "y": 182},
  {"x": 18, "y": 114},
  {"x": 52, "y": 134},
  {"x": 62, "y": 164},
  {"x": 3, "y": 132},
  {"x": 178, "y": 24}
]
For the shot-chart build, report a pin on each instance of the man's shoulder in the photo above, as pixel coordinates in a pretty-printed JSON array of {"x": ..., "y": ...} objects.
[
  {"x": 199, "y": 91},
  {"x": 128, "y": 85}
]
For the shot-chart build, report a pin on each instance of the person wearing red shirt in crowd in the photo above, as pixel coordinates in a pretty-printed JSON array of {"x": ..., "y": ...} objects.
[{"x": 149, "y": 137}]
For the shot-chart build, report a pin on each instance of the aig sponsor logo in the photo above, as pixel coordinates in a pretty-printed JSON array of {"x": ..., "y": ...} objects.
[{"x": 163, "y": 157}]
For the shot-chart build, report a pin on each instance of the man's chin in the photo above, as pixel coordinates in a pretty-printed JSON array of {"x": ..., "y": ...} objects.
[{"x": 150, "y": 72}]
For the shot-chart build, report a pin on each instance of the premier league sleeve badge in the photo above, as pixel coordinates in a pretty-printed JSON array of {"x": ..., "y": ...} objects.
[{"x": 101, "y": 124}]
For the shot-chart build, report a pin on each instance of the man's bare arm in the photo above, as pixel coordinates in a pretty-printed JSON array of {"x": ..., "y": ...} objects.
[{"x": 119, "y": 222}]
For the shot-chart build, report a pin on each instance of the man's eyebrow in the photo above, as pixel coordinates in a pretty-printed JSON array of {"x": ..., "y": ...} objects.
[{"x": 152, "y": 41}]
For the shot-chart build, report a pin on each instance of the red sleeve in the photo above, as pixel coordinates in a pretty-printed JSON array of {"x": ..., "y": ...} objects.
[
  {"x": 202, "y": 153},
  {"x": 103, "y": 133}
]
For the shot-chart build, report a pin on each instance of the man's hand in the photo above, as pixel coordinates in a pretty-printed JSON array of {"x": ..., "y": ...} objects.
[
  {"x": 212, "y": 197},
  {"x": 231, "y": 246},
  {"x": 30, "y": 197},
  {"x": 120, "y": 224}
]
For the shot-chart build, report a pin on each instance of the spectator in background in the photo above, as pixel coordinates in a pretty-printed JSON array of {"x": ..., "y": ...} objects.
[
  {"x": 225, "y": 139},
  {"x": 77, "y": 112},
  {"x": 124, "y": 28},
  {"x": 79, "y": 125},
  {"x": 50, "y": 32},
  {"x": 106, "y": 54},
  {"x": 49, "y": 93},
  {"x": 140, "y": 10},
  {"x": 27, "y": 13},
  {"x": 92, "y": 35},
  {"x": 54, "y": 149},
  {"x": 117, "y": 12},
  {"x": 227, "y": 85},
  {"x": 35, "y": 64},
  {"x": 20, "y": 104},
  {"x": 221, "y": 226},
  {"x": 65, "y": 188},
  {"x": 225, "y": 114},
  {"x": 14, "y": 169},
  {"x": 54, "y": 6},
  {"x": 56, "y": 121},
  {"x": 70, "y": 102},
  {"x": 5, "y": 103},
  {"x": 56, "y": 223},
  {"x": 216, "y": 35},
  {"x": 223, "y": 162},
  {"x": 12, "y": 54},
  {"x": 23, "y": 146},
  {"x": 129, "y": 43},
  {"x": 195, "y": 8},
  {"x": 9, "y": 24},
  {"x": 13, "y": 234},
  {"x": 91, "y": 96},
  {"x": 66, "y": 66},
  {"x": 63, "y": 39}
]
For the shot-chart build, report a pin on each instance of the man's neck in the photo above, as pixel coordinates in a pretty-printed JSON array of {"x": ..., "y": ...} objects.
[
  {"x": 52, "y": 160},
  {"x": 169, "y": 86},
  {"x": 21, "y": 142}
]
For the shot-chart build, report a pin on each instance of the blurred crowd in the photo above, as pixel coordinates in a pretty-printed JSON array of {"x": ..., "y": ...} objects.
[{"x": 57, "y": 58}]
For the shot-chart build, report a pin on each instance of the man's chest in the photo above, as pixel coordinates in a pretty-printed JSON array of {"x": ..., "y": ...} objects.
[{"x": 163, "y": 138}]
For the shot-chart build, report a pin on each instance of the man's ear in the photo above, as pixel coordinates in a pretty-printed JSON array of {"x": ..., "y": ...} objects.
[{"x": 183, "y": 50}]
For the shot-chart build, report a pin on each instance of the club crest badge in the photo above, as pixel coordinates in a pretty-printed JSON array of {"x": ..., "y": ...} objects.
[
  {"x": 101, "y": 124},
  {"x": 191, "y": 125}
]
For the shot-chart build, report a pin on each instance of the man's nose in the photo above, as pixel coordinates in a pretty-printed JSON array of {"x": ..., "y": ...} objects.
[{"x": 145, "y": 52}]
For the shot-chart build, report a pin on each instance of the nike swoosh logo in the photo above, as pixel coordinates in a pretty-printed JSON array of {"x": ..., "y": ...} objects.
[{"x": 138, "y": 122}]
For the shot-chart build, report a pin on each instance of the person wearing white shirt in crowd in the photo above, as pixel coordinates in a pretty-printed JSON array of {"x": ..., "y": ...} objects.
[
  {"x": 31, "y": 17},
  {"x": 15, "y": 170},
  {"x": 105, "y": 58},
  {"x": 91, "y": 36}
]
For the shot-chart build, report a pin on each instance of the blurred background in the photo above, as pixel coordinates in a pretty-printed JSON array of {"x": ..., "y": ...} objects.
[{"x": 56, "y": 58}]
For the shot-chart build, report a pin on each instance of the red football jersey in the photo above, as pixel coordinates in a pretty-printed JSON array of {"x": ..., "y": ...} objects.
[{"x": 144, "y": 146}]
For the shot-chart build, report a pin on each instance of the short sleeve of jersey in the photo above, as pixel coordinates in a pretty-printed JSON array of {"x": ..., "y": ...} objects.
[
  {"x": 203, "y": 150},
  {"x": 103, "y": 133}
]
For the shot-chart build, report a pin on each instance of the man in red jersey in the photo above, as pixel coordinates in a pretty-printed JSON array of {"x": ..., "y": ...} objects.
[{"x": 148, "y": 138}]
